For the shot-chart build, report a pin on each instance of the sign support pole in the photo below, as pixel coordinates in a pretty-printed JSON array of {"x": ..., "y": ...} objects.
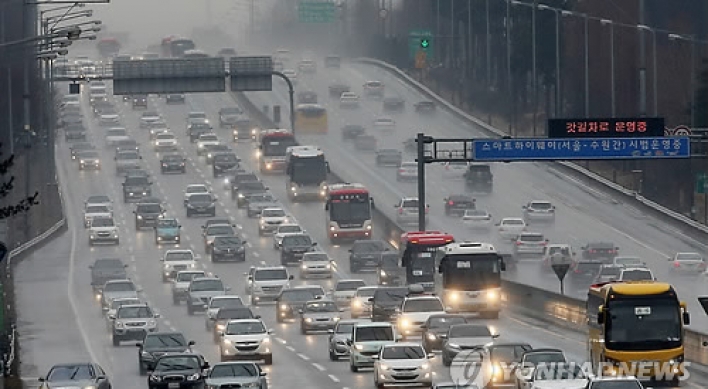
[
  {"x": 291, "y": 92},
  {"x": 421, "y": 181}
]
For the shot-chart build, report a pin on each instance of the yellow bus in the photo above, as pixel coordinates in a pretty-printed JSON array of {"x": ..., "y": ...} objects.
[
  {"x": 310, "y": 119},
  {"x": 637, "y": 328}
]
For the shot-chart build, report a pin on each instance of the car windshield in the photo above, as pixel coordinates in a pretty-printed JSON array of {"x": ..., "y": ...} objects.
[
  {"x": 172, "y": 158},
  {"x": 149, "y": 208},
  {"x": 543, "y": 357},
  {"x": 531, "y": 238},
  {"x": 423, "y": 305},
  {"x": 410, "y": 204},
  {"x": 373, "y": 334},
  {"x": 197, "y": 115},
  {"x": 226, "y": 303},
  {"x": 689, "y": 257},
  {"x": 245, "y": 328},
  {"x": 270, "y": 275},
  {"x": 225, "y": 158},
  {"x": 231, "y": 111},
  {"x": 97, "y": 209},
  {"x": 165, "y": 340},
  {"x": 558, "y": 372},
  {"x": 208, "y": 138},
  {"x": 116, "y": 133},
  {"x": 296, "y": 295},
  {"x": 220, "y": 230},
  {"x": 297, "y": 241},
  {"x": 349, "y": 286},
  {"x": 344, "y": 328},
  {"x": 115, "y": 304},
  {"x": 234, "y": 370},
  {"x": 512, "y": 222},
  {"x": 150, "y": 114},
  {"x": 175, "y": 363},
  {"x": 390, "y": 295},
  {"x": 273, "y": 213},
  {"x": 102, "y": 222},
  {"x": 365, "y": 292},
  {"x": 469, "y": 331},
  {"x": 164, "y": 136},
  {"x": 186, "y": 277},
  {"x": 255, "y": 185},
  {"x": 316, "y": 257},
  {"x": 167, "y": 223},
  {"x": 179, "y": 256},
  {"x": 197, "y": 189},
  {"x": 588, "y": 266},
  {"x": 119, "y": 287},
  {"x": 321, "y": 307},
  {"x": 98, "y": 200},
  {"x": 200, "y": 198},
  {"x": 610, "y": 271},
  {"x": 234, "y": 313},
  {"x": 446, "y": 322},
  {"x": 541, "y": 206},
  {"x": 227, "y": 241},
  {"x": 109, "y": 263},
  {"x": 88, "y": 154},
  {"x": 128, "y": 155},
  {"x": 637, "y": 275},
  {"x": 403, "y": 352},
  {"x": 261, "y": 199},
  {"x": 70, "y": 373},
  {"x": 136, "y": 181},
  {"x": 127, "y": 312},
  {"x": 289, "y": 229},
  {"x": 206, "y": 285}
]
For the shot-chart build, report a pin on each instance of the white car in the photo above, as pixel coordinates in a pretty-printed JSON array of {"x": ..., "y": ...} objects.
[
  {"x": 348, "y": 100},
  {"x": 94, "y": 211},
  {"x": 557, "y": 375},
  {"x": 628, "y": 261},
  {"x": 290, "y": 74},
  {"x": 99, "y": 200},
  {"x": 266, "y": 283},
  {"x": 181, "y": 282},
  {"x": 216, "y": 303},
  {"x": 193, "y": 189},
  {"x": 204, "y": 140},
  {"x": 360, "y": 305},
  {"x": 109, "y": 118},
  {"x": 103, "y": 230},
  {"x": 315, "y": 264},
  {"x": 345, "y": 290},
  {"x": 158, "y": 128},
  {"x": 408, "y": 171},
  {"x": 175, "y": 261},
  {"x": 246, "y": 339},
  {"x": 636, "y": 274},
  {"x": 384, "y": 124},
  {"x": 688, "y": 263},
  {"x": 197, "y": 116},
  {"x": 374, "y": 88},
  {"x": 165, "y": 141},
  {"x": 407, "y": 211},
  {"x": 415, "y": 311},
  {"x": 116, "y": 135},
  {"x": 115, "y": 304},
  {"x": 283, "y": 230},
  {"x": 403, "y": 364},
  {"x": 539, "y": 210},
  {"x": 270, "y": 219},
  {"x": 455, "y": 169},
  {"x": 477, "y": 219},
  {"x": 511, "y": 227}
]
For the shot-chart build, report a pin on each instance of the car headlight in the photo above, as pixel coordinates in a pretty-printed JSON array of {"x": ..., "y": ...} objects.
[
  {"x": 383, "y": 273},
  {"x": 308, "y": 320},
  {"x": 284, "y": 307},
  {"x": 167, "y": 266},
  {"x": 303, "y": 267},
  {"x": 140, "y": 217},
  {"x": 152, "y": 323},
  {"x": 293, "y": 188},
  {"x": 492, "y": 295},
  {"x": 336, "y": 318},
  {"x": 454, "y": 296},
  {"x": 146, "y": 355},
  {"x": 269, "y": 166},
  {"x": 193, "y": 265},
  {"x": 356, "y": 304},
  {"x": 241, "y": 196},
  {"x": 358, "y": 347},
  {"x": 155, "y": 378},
  {"x": 425, "y": 366},
  {"x": 193, "y": 377},
  {"x": 164, "y": 165},
  {"x": 82, "y": 162},
  {"x": 220, "y": 327},
  {"x": 119, "y": 324},
  {"x": 328, "y": 266},
  {"x": 432, "y": 337},
  {"x": 226, "y": 341},
  {"x": 384, "y": 367},
  {"x": 404, "y": 323},
  {"x": 453, "y": 345},
  {"x": 265, "y": 340}
]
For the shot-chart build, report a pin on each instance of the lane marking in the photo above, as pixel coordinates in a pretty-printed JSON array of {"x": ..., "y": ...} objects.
[
  {"x": 319, "y": 367},
  {"x": 290, "y": 348},
  {"x": 303, "y": 357},
  {"x": 281, "y": 340},
  {"x": 333, "y": 378}
]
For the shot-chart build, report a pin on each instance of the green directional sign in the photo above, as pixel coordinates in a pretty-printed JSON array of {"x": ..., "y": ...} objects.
[
  {"x": 425, "y": 43},
  {"x": 702, "y": 183},
  {"x": 421, "y": 40},
  {"x": 317, "y": 11}
]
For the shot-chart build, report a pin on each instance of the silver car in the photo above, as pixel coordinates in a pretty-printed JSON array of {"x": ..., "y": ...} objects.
[
  {"x": 530, "y": 243},
  {"x": 132, "y": 322},
  {"x": 339, "y": 338},
  {"x": 181, "y": 283},
  {"x": 408, "y": 171},
  {"x": 230, "y": 375},
  {"x": 539, "y": 210},
  {"x": 76, "y": 375},
  {"x": 315, "y": 264},
  {"x": 319, "y": 315},
  {"x": 688, "y": 263}
]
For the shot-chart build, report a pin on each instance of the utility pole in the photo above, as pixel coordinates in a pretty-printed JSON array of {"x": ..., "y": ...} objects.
[
  {"x": 421, "y": 181},
  {"x": 642, "y": 62}
]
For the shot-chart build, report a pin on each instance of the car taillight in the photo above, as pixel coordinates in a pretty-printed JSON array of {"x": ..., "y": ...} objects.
[
  {"x": 400, "y": 211},
  {"x": 544, "y": 243},
  {"x": 611, "y": 252},
  {"x": 518, "y": 243},
  {"x": 591, "y": 251},
  {"x": 427, "y": 209},
  {"x": 450, "y": 203},
  {"x": 677, "y": 264},
  {"x": 551, "y": 210},
  {"x": 401, "y": 170},
  {"x": 577, "y": 271}
]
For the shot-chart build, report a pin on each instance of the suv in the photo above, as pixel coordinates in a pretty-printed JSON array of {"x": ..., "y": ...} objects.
[
  {"x": 407, "y": 211},
  {"x": 115, "y": 289},
  {"x": 228, "y": 116},
  {"x": 605, "y": 251},
  {"x": 366, "y": 253},
  {"x": 140, "y": 101},
  {"x": 228, "y": 248},
  {"x": 367, "y": 341},
  {"x": 157, "y": 344},
  {"x": 175, "y": 261},
  {"x": 147, "y": 212},
  {"x": 167, "y": 230},
  {"x": 457, "y": 204},
  {"x": 315, "y": 264},
  {"x": 201, "y": 204},
  {"x": 584, "y": 270},
  {"x": 224, "y": 315},
  {"x": 266, "y": 282},
  {"x": 133, "y": 322},
  {"x": 406, "y": 357},
  {"x": 293, "y": 247},
  {"x": 386, "y": 303},
  {"x": 210, "y": 232},
  {"x": 200, "y": 292},
  {"x": 415, "y": 312},
  {"x": 388, "y": 271},
  {"x": 103, "y": 230},
  {"x": 533, "y": 358},
  {"x": 557, "y": 253},
  {"x": 181, "y": 283},
  {"x": 135, "y": 188},
  {"x": 374, "y": 88},
  {"x": 479, "y": 178},
  {"x": 181, "y": 366},
  {"x": 530, "y": 243},
  {"x": 636, "y": 274},
  {"x": 243, "y": 189},
  {"x": 246, "y": 339},
  {"x": 215, "y": 305},
  {"x": 344, "y": 290}
]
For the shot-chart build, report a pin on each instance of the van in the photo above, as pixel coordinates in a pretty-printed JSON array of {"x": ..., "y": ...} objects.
[{"x": 367, "y": 340}]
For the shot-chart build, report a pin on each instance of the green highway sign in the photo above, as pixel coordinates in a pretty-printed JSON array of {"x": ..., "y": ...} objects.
[
  {"x": 421, "y": 40},
  {"x": 316, "y": 11},
  {"x": 702, "y": 183}
]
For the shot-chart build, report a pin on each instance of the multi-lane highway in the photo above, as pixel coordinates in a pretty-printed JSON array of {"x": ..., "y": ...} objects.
[
  {"x": 61, "y": 321},
  {"x": 583, "y": 213}
]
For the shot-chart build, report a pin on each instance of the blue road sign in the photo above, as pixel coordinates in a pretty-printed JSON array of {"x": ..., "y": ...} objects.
[{"x": 574, "y": 149}]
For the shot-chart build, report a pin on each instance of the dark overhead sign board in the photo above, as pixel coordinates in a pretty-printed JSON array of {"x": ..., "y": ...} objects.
[
  {"x": 606, "y": 128},
  {"x": 184, "y": 75},
  {"x": 251, "y": 74}
]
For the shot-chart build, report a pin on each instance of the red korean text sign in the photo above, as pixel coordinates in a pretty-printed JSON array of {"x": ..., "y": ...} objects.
[{"x": 606, "y": 128}]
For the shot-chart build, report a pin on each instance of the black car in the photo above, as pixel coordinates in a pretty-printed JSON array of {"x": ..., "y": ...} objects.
[
  {"x": 179, "y": 371},
  {"x": 388, "y": 272},
  {"x": 201, "y": 204},
  {"x": 135, "y": 188},
  {"x": 228, "y": 116},
  {"x": 140, "y": 101},
  {"x": 195, "y": 130},
  {"x": 393, "y": 104},
  {"x": 244, "y": 189},
  {"x": 606, "y": 251},
  {"x": 75, "y": 132},
  {"x": 290, "y": 301},
  {"x": 228, "y": 248},
  {"x": 457, "y": 204},
  {"x": 173, "y": 98},
  {"x": 210, "y": 151},
  {"x": 173, "y": 163},
  {"x": 127, "y": 145},
  {"x": 479, "y": 178},
  {"x": 389, "y": 157},
  {"x": 585, "y": 270},
  {"x": 157, "y": 344},
  {"x": 425, "y": 106},
  {"x": 352, "y": 131},
  {"x": 147, "y": 212},
  {"x": 293, "y": 247},
  {"x": 76, "y": 148},
  {"x": 107, "y": 269},
  {"x": 365, "y": 253},
  {"x": 224, "y": 163},
  {"x": 386, "y": 303},
  {"x": 238, "y": 178},
  {"x": 437, "y": 325}
]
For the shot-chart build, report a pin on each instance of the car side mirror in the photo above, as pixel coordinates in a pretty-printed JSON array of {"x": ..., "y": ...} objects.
[
  {"x": 139, "y": 344},
  {"x": 112, "y": 317},
  {"x": 257, "y": 316},
  {"x": 228, "y": 288},
  {"x": 299, "y": 311},
  {"x": 495, "y": 336},
  {"x": 399, "y": 337},
  {"x": 191, "y": 343},
  {"x": 205, "y": 365},
  {"x": 271, "y": 332},
  {"x": 349, "y": 341},
  {"x": 341, "y": 310},
  {"x": 443, "y": 336},
  {"x": 157, "y": 315},
  {"x": 41, "y": 379},
  {"x": 524, "y": 207},
  {"x": 686, "y": 318},
  {"x": 244, "y": 241},
  {"x": 330, "y": 331},
  {"x": 263, "y": 374},
  {"x": 291, "y": 277},
  {"x": 431, "y": 356},
  {"x": 371, "y": 299}
]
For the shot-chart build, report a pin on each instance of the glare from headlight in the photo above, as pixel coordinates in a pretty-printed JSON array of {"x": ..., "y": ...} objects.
[
  {"x": 454, "y": 296},
  {"x": 309, "y": 320},
  {"x": 425, "y": 366},
  {"x": 432, "y": 337},
  {"x": 492, "y": 295},
  {"x": 283, "y": 307}
]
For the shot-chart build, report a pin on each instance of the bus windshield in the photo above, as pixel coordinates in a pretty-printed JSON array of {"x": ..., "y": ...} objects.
[
  {"x": 353, "y": 208},
  {"x": 308, "y": 170},
  {"x": 471, "y": 272},
  {"x": 643, "y": 323},
  {"x": 277, "y": 147}
]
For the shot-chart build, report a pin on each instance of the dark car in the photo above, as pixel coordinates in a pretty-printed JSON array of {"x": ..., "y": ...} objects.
[
  {"x": 147, "y": 212},
  {"x": 178, "y": 371},
  {"x": 425, "y": 106},
  {"x": 352, "y": 131},
  {"x": 226, "y": 314},
  {"x": 212, "y": 150},
  {"x": 243, "y": 129},
  {"x": 585, "y": 270},
  {"x": 505, "y": 356},
  {"x": 365, "y": 253},
  {"x": 293, "y": 247},
  {"x": 140, "y": 101},
  {"x": 226, "y": 52},
  {"x": 135, "y": 188},
  {"x": 393, "y": 104},
  {"x": 228, "y": 248},
  {"x": 238, "y": 177},
  {"x": 389, "y": 157},
  {"x": 89, "y": 159},
  {"x": 201, "y": 204},
  {"x": 76, "y": 375},
  {"x": 157, "y": 344},
  {"x": 438, "y": 325},
  {"x": 290, "y": 301},
  {"x": 224, "y": 163},
  {"x": 228, "y": 116},
  {"x": 196, "y": 129},
  {"x": 107, "y": 269},
  {"x": 244, "y": 189},
  {"x": 388, "y": 271},
  {"x": 605, "y": 251},
  {"x": 76, "y": 148},
  {"x": 173, "y": 98},
  {"x": 173, "y": 163},
  {"x": 479, "y": 178},
  {"x": 386, "y": 303},
  {"x": 457, "y": 204},
  {"x": 336, "y": 90},
  {"x": 127, "y": 145},
  {"x": 74, "y": 132},
  {"x": 307, "y": 97}
]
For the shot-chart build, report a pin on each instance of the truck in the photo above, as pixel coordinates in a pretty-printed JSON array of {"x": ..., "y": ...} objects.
[{"x": 306, "y": 169}]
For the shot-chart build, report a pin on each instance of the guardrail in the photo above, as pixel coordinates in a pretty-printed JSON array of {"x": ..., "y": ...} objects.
[
  {"x": 494, "y": 132},
  {"x": 529, "y": 301}
]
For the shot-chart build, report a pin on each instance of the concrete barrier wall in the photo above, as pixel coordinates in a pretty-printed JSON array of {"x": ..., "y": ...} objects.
[{"x": 528, "y": 301}]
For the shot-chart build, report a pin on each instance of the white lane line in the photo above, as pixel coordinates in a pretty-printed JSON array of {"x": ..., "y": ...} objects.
[
  {"x": 173, "y": 329},
  {"x": 303, "y": 357},
  {"x": 333, "y": 378},
  {"x": 319, "y": 367},
  {"x": 263, "y": 263},
  {"x": 281, "y": 340},
  {"x": 256, "y": 254},
  {"x": 227, "y": 210},
  {"x": 249, "y": 244},
  {"x": 290, "y": 348},
  {"x": 167, "y": 323},
  {"x": 240, "y": 227}
]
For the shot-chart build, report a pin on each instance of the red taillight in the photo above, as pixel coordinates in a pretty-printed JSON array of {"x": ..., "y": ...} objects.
[
  {"x": 400, "y": 211},
  {"x": 427, "y": 209},
  {"x": 450, "y": 203},
  {"x": 591, "y": 251},
  {"x": 677, "y": 264},
  {"x": 401, "y": 170},
  {"x": 518, "y": 243},
  {"x": 544, "y": 243},
  {"x": 577, "y": 271}
]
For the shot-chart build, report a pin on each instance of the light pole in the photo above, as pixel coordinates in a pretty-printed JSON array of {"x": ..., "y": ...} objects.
[
  {"x": 488, "y": 46},
  {"x": 512, "y": 100},
  {"x": 606, "y": 22},
  {"x": 653, "y": 66},
  {"x": 586, "y": 22},
  {"x": 534, "y": 77},
  {"x": 543, "y": 7},
  {"x": 692, "y": 42}
]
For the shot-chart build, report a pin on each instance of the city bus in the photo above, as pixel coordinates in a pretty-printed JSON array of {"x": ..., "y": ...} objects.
[
  {"x": 636, "y": 328},
  {"x": 471, "y": 278},
  {"x": 272, "y": 148},
  {"x": 418, "y": 251},
  {"x": 348, "y": 212},
  {"x": 311, "y": 119},
  {"x": 178, "y": 46},
  {"x": 306, "y": 168}
]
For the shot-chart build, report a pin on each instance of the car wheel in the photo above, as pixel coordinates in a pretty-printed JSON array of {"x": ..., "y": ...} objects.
[
  {"x": 333, "y": 356},
  {"x": 353, "y": 368},
  {"x": 116, "y": 341}
]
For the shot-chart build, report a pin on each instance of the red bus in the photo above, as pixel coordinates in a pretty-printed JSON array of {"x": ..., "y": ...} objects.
[
  {"x": 418, "y": 252},
  {"x": 348, "y": 212},
  {"x": 272, "y": 149}
]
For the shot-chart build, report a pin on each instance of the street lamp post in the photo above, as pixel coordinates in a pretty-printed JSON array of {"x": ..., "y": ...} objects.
[
  {"x": 692, "y": 42},
  {"x": 543, "y": 7},
  {"x": 512, "y": 100},
  {"x": 606, "y": 22},
  {"x": 586, "y": 23},
  {"x": 654, "y": 70},
  {"x": 488, "y": 46}
]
